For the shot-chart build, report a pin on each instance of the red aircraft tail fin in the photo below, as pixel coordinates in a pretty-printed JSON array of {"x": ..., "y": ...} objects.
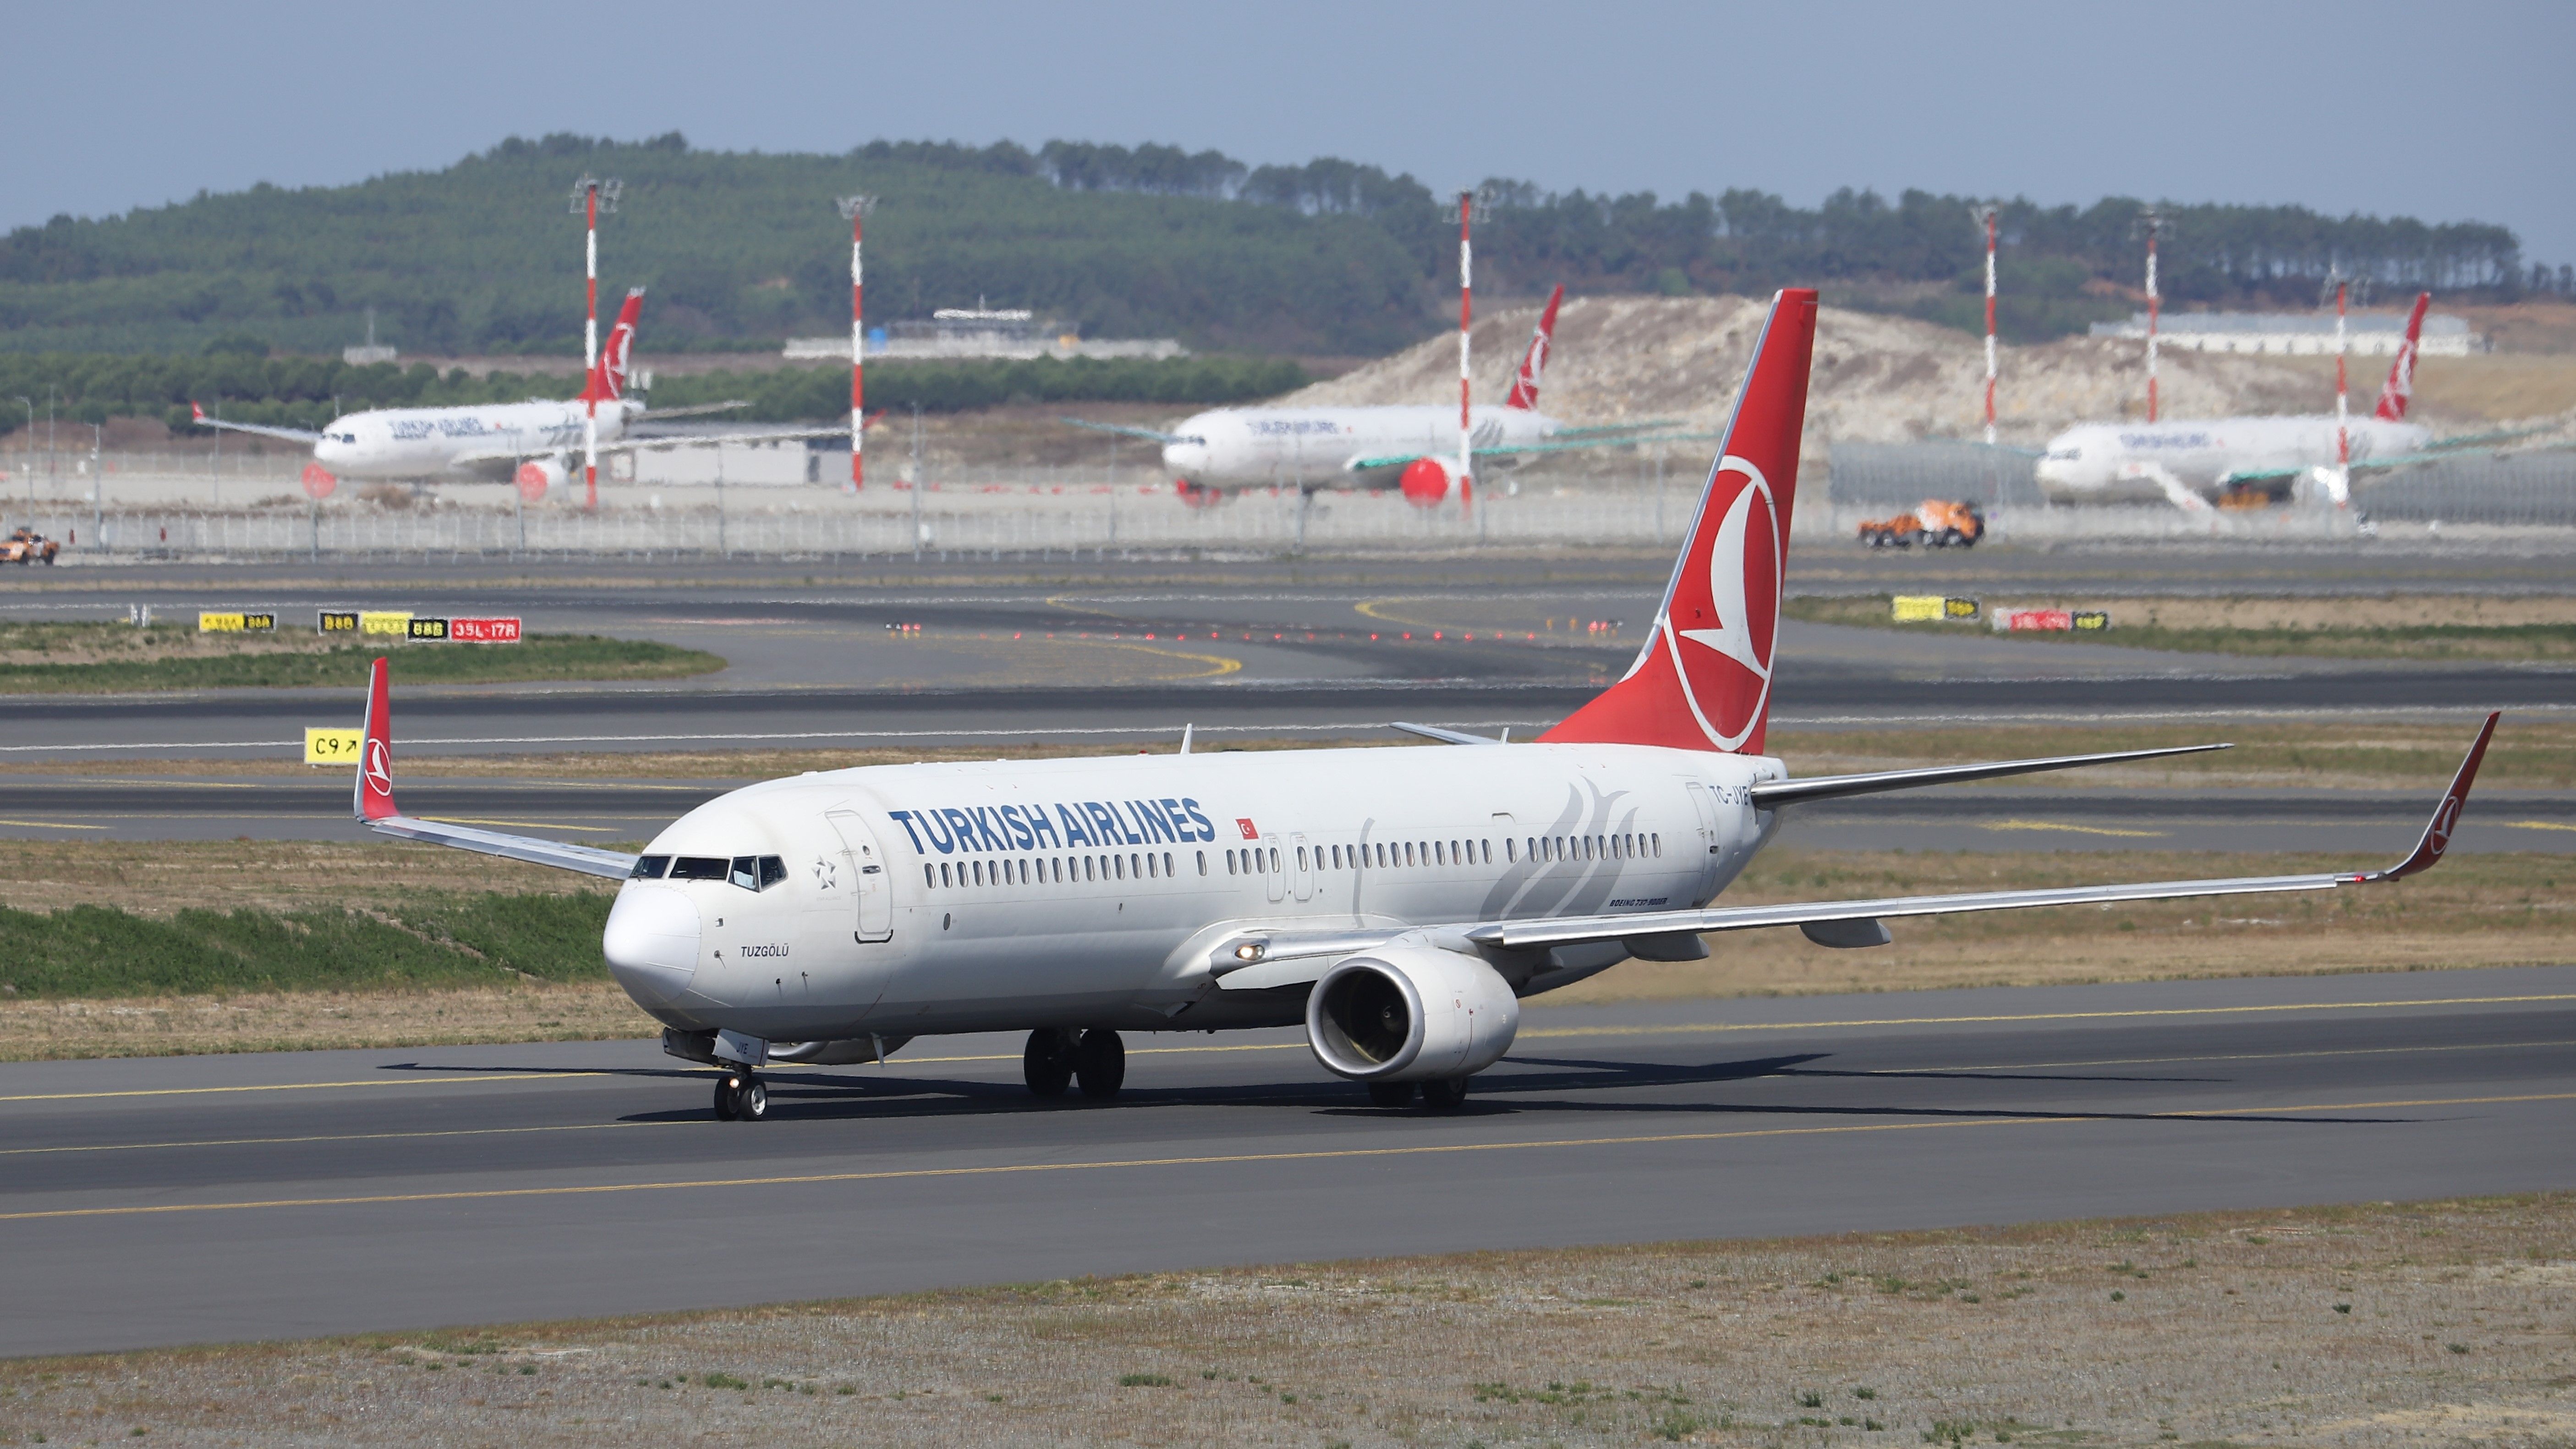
[
  {"x": 2400, "y": 388},
  {"x": 608, "y": 378},
  {"x": 1703, "y": 680},
  {"x": 1524, "y": 393}
]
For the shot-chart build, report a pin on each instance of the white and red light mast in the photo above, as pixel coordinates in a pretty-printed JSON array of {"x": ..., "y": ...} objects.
[
  {"x": 855, "y": 210},
  {"x": 2155, "y": 224},
  {"x": 591, "y": 196},
  {"x": 1987, "y": 215},
  {"x": 1466, "y": 312},
  {"x": 2343, "y": 432}
]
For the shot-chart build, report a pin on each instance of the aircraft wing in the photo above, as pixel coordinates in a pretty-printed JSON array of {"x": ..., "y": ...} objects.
[
  {"x": 292, "y": 435},
  {"x": 373, "y": 803},
  {"x": 637, "y": 445},
  {"x": 1124, "y": 431},
  {"x": 650, "y": 415},
  {"x": 1255, "y": 960},
  {"x": 1398, "y": 460}
]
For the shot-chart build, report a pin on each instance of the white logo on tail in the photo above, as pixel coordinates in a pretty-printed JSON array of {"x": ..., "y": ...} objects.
[
  {"x": 380, "y": 775},
  {"x": 1747, "y": 545}
]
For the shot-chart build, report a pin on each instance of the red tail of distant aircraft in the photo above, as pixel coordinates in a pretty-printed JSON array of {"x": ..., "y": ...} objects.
[
  {"x": 2400, "y": 389},
  {"x": 1524, "y": 393},
  {"x": 608, "y": 378}
]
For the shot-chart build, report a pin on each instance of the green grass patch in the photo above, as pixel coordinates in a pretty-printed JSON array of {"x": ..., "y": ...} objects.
[
  {"x": 115, "y": 659},
  {"x": 478, "y": 940}
]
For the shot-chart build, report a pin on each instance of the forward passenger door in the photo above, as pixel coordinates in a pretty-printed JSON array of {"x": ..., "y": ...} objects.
[{"x": 865, "y": 867}]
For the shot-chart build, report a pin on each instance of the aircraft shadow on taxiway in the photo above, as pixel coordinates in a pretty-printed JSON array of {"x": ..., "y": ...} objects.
[{"x": 815, "y": 1097}]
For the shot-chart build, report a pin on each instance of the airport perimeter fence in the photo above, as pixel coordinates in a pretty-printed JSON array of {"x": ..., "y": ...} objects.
[{"x": 1043, "y": 514}]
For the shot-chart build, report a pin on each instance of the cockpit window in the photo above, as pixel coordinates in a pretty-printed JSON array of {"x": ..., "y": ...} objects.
[
  {"x": 699, "y": 867},
  {"x": 650, "y": 867},
  {"x": 746, "y": 872},
  {"x": 772, "y": 871}
]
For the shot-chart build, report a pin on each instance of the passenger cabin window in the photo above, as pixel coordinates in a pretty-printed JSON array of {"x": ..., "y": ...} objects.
[{"x": 649, "y": 867}]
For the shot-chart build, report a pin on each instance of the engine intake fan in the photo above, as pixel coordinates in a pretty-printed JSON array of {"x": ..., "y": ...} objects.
[{"x": 1410, "y": 1014}]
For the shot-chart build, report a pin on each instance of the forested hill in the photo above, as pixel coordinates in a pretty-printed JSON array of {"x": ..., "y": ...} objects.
[{"x": 1331, "y": 257}]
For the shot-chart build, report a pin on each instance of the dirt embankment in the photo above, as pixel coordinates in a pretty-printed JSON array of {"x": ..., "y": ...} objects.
[{"x": 1886, "y": 379}]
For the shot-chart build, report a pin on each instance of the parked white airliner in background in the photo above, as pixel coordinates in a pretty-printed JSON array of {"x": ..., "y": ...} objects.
[
  {"x": 538, "y": 441},
  {"x": 1410, "y": 448},
  {"x": 2190, "y": 464},
  {"x": 1397, "y": 903}
]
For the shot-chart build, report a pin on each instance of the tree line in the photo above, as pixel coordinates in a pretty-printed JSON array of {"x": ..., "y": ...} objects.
[{"x": 1329, "y": 257}]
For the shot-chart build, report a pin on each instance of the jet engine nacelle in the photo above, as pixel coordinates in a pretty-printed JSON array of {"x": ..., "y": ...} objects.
[
  {"x": 1410, "y": 1014},
  {"x": 538, "y": 476},
  {"x": 1426, "y": 480}
]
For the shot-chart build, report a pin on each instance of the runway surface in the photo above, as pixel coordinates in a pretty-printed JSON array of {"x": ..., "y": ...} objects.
[
  {"x": 106, "y": 806},
  {"x": 194, "y": 1199}
]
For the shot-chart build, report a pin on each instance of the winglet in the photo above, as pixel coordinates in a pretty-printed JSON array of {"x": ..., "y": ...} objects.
[
  {"x": 195, "y": 412},
  {"x": 2446, "y": 816},
  {"x": 375, "y": 788}
]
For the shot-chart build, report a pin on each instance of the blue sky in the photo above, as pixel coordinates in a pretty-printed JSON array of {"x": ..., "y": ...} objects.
[{"x": 2447, "y": 112}]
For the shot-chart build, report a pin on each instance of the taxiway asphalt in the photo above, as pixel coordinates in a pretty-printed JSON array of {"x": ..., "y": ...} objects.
[{"x": 179, "y": 1200}]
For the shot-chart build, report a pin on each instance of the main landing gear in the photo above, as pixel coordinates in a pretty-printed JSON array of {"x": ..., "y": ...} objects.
[
  {"x": 742, "y": 1096},
  {"x": 1445, "y": 1094},
  {"x": 1055, "y": 1060}
]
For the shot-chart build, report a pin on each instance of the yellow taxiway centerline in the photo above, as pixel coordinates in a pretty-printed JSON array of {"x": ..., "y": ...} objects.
[{"x": 816, "y": 1179}]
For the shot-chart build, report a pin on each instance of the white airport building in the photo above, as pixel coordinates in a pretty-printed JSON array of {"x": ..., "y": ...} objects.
[
  {"x": 2294, "y": 334},
  {"x": 957, "y": 333}
]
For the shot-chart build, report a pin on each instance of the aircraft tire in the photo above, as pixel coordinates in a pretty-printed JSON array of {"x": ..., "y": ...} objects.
[
  {"x": 1390, "y": 1094},
  {"x": 751, "y": 1099},
  {"x": 1047, "y": 1064},
  {"x": 726, "y": 1107},
  {"x": 1444, "y": 1094},
  {"x": 1100, "y": 1060}
]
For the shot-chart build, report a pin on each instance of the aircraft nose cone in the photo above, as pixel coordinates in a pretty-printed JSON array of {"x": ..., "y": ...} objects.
[
  {"x": 652, "y": 943},
  {"x": 1184, "y": 460}
]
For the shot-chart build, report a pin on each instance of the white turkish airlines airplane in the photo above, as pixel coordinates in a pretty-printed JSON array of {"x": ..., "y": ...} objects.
[
  {"x": 2189, "y": 464},
  {"x": 1414, "y": 449},
  {"x": 1398, "y": 903},
  {"x": 534, "y": 442}
]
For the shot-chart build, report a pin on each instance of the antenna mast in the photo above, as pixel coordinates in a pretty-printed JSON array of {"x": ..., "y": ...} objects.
[
  {"x": 2155, "y": 224},
  {"x": 1987, "y": 215},
  {"x": 591, "y": 196},
  {"x": 856, "y": 209}
]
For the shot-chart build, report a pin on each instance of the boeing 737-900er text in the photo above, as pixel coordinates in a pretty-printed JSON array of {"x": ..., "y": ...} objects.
[
  {"x": 1399, "y": 904},
  {"x": 2191, "y": 464},
  {"x": 537, "y": 441},
  {"x": 1414, "y": 449}
]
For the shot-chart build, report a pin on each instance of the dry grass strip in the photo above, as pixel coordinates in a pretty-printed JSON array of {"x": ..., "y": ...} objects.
[{"x": 2437, "y": 1323}]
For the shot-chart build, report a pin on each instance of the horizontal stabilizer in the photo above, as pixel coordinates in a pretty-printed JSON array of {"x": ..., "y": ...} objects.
[
  {"x": 1124, "y": 431},
  {"x": 1833, "y": 787}
]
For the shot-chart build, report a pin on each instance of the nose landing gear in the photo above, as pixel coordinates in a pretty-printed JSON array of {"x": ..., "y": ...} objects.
[{"x": 741, "y": 1096}]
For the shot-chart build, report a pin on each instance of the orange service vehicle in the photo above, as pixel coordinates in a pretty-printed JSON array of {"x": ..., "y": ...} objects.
[
  {"x": 1937, "y": 524},
  {"x": 25, "y": 546}
]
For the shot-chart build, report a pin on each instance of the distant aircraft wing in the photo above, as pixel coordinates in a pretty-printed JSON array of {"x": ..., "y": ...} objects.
[
  {"x": 1602, "y": 429},
  {"x": 637, "y": 445},
  {"x": 655, "y": 415},
  {"x": 1264, "y": 959},
  {"x": 374, "y": 804},
  {"x": 1499, "y": 450},
  {"x": 1124, "y": 431},
  {"x": 292, "y": 435}
]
